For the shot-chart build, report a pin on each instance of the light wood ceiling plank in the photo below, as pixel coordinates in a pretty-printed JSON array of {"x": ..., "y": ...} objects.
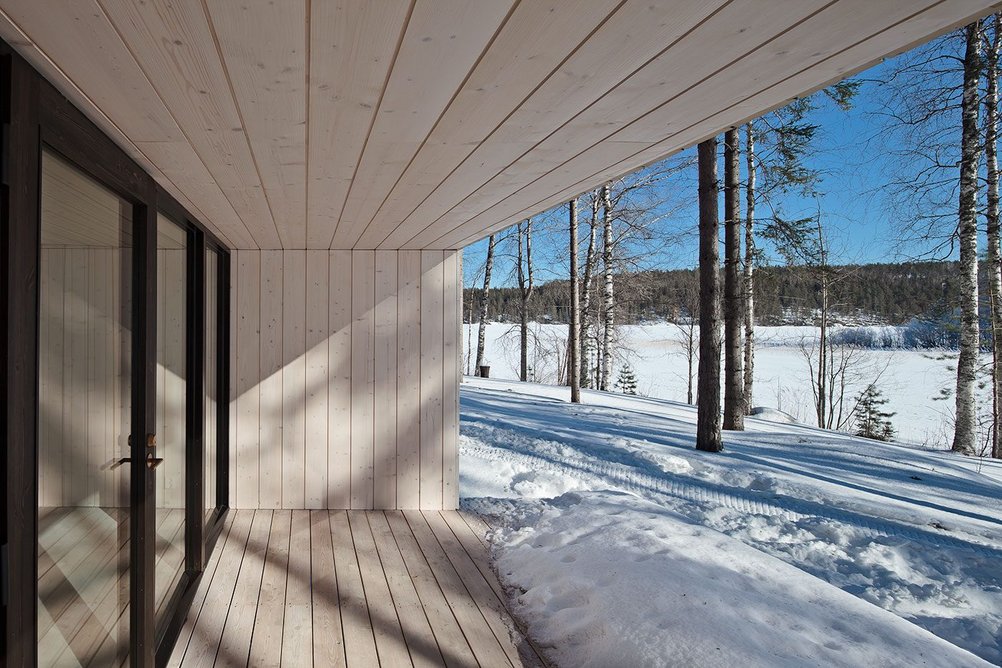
[
  {"x": 264, "y": 51},
  {"x": 91, "y": 54},
  {"x": 634, "y": 35},
  {"x": 435, "y": 57},
  {"x": 737, "y": 29},
  {"x": 885, "y": 38},
  {"x": 174, "y": 45},
  {"x": 536, "y": 39},
  {"x": 352, "y": 47},
  {"x": 214, "y": 210},
  {"x": 148, "y": 154}
]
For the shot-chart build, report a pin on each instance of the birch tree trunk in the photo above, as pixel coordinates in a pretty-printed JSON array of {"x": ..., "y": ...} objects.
[
  {"x": 608, "y": 298},
  {"x": 749, "y": 310},
  {"x": 965, "y": 430},
  {"x": 589, "y": 269},
  {"x": 992, "y": 214},
  {"x": 525, "y": 285},
  {"x": 574, "y": 341},
  {"x": 734, "y": 404},
  {"x": 482, "y": 329},
  {"x": 708, "y": 436}
]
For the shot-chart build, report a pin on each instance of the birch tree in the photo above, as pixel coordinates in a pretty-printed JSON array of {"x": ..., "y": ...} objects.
[
  {"x": 608, "y": 296},
  {"x": 965, "y": 427},
  {"x": 734, "y": 404},
  {"x": 587, "y": 335},
  {"x": 574, "y": 328},
  {"x": 482, "y": 328},
  {"x": 994, "y": 255},
  {"x": 749, "y": 267},
  {"x": 524, "y": 274},
  {"x": 708, "y": 434}
]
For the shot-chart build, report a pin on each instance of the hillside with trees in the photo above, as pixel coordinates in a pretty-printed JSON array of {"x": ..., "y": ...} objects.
[{"x": 891, "y": 294}]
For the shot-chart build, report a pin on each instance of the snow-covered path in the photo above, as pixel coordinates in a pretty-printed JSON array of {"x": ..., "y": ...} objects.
[{"x": 915, "y": 532}]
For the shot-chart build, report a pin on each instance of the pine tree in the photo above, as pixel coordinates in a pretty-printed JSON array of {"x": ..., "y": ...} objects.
[
  {"x": 871, "y": 420},
  {"x": 627, "y": 380},
  {"x": 708, "y": 435}
]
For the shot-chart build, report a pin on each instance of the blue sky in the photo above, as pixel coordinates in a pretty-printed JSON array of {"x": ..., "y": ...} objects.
[{"x": 851, "y": 154}]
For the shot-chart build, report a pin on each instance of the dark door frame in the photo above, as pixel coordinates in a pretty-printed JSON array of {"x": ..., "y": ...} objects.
[{"x": 35, "y": 115}]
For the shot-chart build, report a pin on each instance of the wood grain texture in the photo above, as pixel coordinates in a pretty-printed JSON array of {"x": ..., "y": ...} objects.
[
  {"x": 339, "y": 365},
  {"x": 355, "y": 399},
  {"x": 363, "y": 381},
  {"x": 317, "y": 296},
  {"x": 432, "y": 378},
  {"x": 449, "y": 48},
  {"x": 293, "y": 477},
  {"x": 426, "y": 124},
  {"x": 270, "y": 380},
  {"x": 355, "y": 588},
  {"x": 353, "y": 47}
]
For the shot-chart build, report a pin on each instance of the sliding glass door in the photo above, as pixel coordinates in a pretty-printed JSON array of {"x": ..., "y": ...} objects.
[
  {"x": 86, "y": 393},
  {"x": 84, "y": 413},
  {"x": 114, "y": 428},
  {"x": 172, "y": 407}
]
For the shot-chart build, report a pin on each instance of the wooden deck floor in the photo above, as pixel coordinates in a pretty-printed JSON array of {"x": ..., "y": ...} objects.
[{"x": 356, "y": 588}]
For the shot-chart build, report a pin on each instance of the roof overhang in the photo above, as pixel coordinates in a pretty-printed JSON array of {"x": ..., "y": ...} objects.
[{"x": 429, "y": 124}]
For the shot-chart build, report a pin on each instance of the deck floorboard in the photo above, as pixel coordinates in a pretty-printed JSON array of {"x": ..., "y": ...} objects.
[{"x": 357, "y": 588}]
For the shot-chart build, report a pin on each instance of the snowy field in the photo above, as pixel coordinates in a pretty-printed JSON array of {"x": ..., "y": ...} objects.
[
  {"x": 909, "y": 379},
  {"x": 622, "y": 546}
]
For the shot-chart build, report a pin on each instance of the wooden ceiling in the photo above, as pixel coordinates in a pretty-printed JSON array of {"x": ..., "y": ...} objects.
[{"x": 430, "y": 123}]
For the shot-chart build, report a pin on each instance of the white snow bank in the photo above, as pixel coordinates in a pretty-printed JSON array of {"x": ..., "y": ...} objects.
[
  {"x": 609, "y": 579},
  {"x": 914, "y": 532}
]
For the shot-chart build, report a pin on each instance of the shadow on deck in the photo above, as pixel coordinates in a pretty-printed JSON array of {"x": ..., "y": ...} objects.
[{"x": 350, "y": 588}]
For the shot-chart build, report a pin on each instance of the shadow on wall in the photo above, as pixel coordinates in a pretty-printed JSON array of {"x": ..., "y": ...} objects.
[{"x": 345, "y": 377}]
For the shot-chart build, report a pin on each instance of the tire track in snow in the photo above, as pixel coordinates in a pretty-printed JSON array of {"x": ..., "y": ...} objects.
[{"x": 633, "y": 479}]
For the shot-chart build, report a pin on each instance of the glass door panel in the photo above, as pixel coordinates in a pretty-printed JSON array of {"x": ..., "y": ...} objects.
[
  {"x": 172, "y": 394},
  {"x": 85, "y": 316},
  {"x": 211, "y": 384}
]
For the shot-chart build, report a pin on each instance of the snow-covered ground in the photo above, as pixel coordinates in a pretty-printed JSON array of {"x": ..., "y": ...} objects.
[
  {"x": 623, "y": 546},
  {"x": 910, "y": 379}
]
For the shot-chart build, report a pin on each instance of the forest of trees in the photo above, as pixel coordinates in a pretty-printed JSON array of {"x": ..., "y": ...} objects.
[
  {"x": 768, "y": 252},
  {"x": 890, "y": 294}
]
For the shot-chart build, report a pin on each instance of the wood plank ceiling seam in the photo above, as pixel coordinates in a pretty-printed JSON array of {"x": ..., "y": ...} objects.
[
  {"x": 378, "y": 239},
  {"x": 660, "y": 149},
  {"x": 607, "y": 140},
  {"x": 426, "y": 124},
  {"x": 452, "y": 51},
  {"x": 184, "y": 68},
  {"x": 692, "y": 35},
  {"x": 236, "y": 103},
  {"x": 459, "y": 89},
  {"x": 690, "y": 17},
  {"x": 372, "y": 121},
  {"x": 109, "y": 125},
  {"x": 108, "y": 15}
]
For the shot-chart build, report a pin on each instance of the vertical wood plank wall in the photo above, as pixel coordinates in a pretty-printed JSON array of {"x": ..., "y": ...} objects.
[
  {"x": 83, "y": 378},
  {"x": 346, "y": 391}
]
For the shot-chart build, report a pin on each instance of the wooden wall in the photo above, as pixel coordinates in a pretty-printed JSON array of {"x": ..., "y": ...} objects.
[
  {"x": 345, "y": 379},
  {"x": 84, "y": 382},
  {"x": 83, "y": 378}
]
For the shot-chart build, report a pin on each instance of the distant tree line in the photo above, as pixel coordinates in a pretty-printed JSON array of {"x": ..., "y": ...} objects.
[{"x": 891, "y": 294}]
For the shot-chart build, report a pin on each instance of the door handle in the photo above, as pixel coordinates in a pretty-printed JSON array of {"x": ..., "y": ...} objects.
[{"x": 151, "y": 461}]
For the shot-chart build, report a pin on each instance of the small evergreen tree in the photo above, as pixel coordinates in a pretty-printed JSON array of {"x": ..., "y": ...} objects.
[
  {"x": 871, "y": 420},
  {"x": 627, "y": 380}
]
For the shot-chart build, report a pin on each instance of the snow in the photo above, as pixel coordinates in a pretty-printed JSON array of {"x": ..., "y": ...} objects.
[
  {"x": 910, "y": 379},
  {"x": 622, "y": 545}
]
